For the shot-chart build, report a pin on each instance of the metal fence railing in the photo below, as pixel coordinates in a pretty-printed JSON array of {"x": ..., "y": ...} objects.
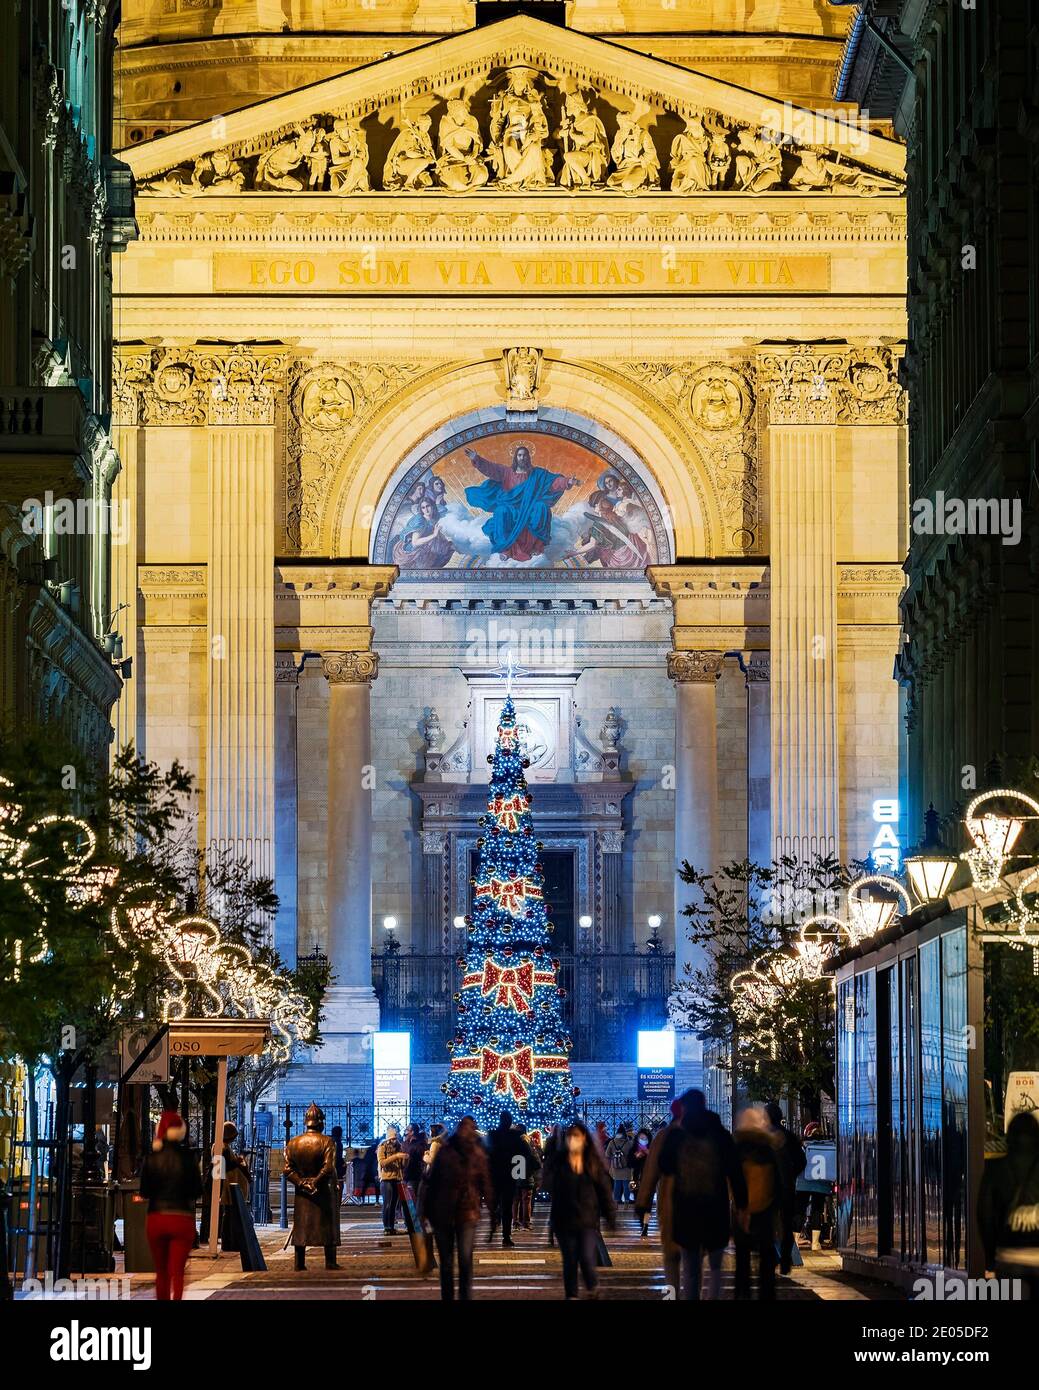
[{"x": 607, "y": 999}]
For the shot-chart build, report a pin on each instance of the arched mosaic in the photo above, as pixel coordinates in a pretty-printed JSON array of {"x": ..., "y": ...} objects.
[{"x": 543, "y": 498}]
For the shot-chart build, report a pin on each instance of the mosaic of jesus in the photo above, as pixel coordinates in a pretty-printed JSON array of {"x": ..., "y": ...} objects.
[{"x": 507, "y": 500}]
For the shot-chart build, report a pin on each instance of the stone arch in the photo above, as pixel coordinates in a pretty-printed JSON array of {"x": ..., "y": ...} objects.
[{"x": 376, "y": 456}]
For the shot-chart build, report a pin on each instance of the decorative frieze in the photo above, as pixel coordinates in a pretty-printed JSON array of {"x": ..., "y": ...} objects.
[
  {"x": 237, "y": 385},
  {"x": 816, "y": 384}
]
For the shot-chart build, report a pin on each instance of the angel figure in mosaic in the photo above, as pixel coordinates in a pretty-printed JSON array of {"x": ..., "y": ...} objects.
[
  {"x": 412, "y": 158},
  {"x": 582, "y": 138},
  {"x": 519, "y": 132},
  {"x": 633, "y": 153},
  {"x": 690, "y": 170},
  {"x": 461, "y": 165},
  {"x": 348, "y": 157}
]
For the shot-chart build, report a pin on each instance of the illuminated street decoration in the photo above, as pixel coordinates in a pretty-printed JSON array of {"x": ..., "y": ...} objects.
[
  {"x": 994, "y": 836},
  {"x": 869, "y": 913}
]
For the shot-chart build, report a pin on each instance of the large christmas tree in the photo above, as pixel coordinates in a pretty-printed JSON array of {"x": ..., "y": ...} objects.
[{"x": 511, "y": 1048}]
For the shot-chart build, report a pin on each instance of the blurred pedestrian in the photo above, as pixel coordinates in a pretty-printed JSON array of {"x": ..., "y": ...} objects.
[
  {"x": 791, "y": 1162},
  {"x": 639, "y": 1155},
  {"x": 392, "y": 1160},
  {"x": 1008, "y": 1206},
  {"x": 618, "y": 1161},
  {"x": 661, "y": 1184},
  {"x": 602, "y": 1136},
  {"x": 581, "y": 1199},
  {"x": 756, "y": 1213},
  {"x": 522, "y": 1205},
  {"x": 510, "y": 1162},
  {"x": 459, "y": 1180},
  {"x": 700, "y": 1156},
  {"x": 171, "y": 1183}
]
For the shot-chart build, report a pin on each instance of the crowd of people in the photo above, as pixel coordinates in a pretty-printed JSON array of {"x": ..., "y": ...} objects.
[{"x": 709, "y": 1187}]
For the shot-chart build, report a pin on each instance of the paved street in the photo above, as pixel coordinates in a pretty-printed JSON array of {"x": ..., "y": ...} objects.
[{"x": 373, "y": 1266}]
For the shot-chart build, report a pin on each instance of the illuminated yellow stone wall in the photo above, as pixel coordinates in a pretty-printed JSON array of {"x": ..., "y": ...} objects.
[{"x": 298, "y": 344}]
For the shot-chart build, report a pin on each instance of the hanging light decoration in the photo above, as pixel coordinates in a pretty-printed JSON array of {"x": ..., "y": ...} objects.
[
  {"x": 812, "y": 947},
  {"x": 994, "y": 835},
  {"x": 870, "y": 913}
]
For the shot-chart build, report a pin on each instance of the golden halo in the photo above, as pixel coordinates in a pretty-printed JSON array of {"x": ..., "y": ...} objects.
[{"x": 525, "y": 444}]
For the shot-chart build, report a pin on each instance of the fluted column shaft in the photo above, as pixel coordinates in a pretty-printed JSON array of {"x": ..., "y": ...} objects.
[
  {"x": 804, "y": 639},
  {"x": 695, "y": 675},
  {"x": 240, "y": 745}
]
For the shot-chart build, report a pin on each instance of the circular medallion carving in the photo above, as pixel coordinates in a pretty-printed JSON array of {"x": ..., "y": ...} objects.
[
  {"x": 324, "y": 400},
  {"x": 719, "y": 399}
]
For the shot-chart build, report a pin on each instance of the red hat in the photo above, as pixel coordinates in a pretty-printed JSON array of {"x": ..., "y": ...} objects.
[{"x": 170, "y": 1126}]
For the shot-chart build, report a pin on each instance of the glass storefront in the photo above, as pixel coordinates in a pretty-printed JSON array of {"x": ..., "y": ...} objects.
[{"x": 903, "y": 1046}]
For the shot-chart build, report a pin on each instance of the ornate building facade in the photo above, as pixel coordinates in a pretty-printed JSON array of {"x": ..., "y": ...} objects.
[
  {"x": 446, "y": 339},
  {"x": 66, "y": 207}
]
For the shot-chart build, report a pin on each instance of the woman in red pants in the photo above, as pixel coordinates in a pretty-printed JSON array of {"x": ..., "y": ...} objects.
[{"x": 172, "y": 1183}]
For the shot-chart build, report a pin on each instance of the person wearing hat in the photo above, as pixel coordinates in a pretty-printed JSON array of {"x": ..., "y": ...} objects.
[
  {"x": 172, "y": 1183},
  {"x": 310, "y": 1165}
]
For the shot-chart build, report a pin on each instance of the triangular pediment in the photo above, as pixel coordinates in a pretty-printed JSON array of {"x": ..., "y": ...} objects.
[{"x": 526, "y": 107}]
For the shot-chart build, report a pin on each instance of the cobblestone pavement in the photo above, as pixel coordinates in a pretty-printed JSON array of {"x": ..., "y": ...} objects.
[{"x": 373, "y": 1266}]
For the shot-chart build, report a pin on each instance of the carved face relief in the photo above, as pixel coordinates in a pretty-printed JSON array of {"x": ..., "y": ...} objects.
[
  {"x": 174, "y": 381},
  {"x": 719, "y": 399}
]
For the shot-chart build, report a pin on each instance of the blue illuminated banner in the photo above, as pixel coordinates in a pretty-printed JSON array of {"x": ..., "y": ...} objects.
[{"x": 656, "y": 1063}]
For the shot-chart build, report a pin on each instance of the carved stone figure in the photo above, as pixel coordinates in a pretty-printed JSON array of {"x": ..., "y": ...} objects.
[
  {"x": 412, "y": 158},
  {"x": 277, "y": 168},
  {"x": 634, "y": 154},
  {"x": 519, "y": 131},
  {"x": 717, "y": 400},
  {"x": 719, "y": 156},
  {"x": 348, "y": 157},
  {"x": 811, "y": 172},
  {"x": 462, "y": 164},
  {"x": 523, "y": 378},
  {"x": 690, "y": 171},
  {"x": 759, "y": 163},
  {"x": 326, "y": 401},
  {"x": 218, "y": 172},
  {"x": 310, "y": 1165},
  {"x": 582, "y": 138}
]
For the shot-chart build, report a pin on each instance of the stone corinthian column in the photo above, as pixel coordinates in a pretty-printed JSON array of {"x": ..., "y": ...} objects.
[
  {"x": 802, "y": 392},
  {"x": 695, "y": 675},
  {"x": 351, "y": 1008}
]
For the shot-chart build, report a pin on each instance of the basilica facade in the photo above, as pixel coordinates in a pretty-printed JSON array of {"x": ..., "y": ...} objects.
[{"x": 450, "y": 347}]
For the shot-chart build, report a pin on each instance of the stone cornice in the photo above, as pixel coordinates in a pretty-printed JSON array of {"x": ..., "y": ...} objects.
[
  {"x": 322, "y": 577},
  {"x": 709, "y": 579},
  {"x": 172, "y": 581},
  {"x": 441, "y": 220}
]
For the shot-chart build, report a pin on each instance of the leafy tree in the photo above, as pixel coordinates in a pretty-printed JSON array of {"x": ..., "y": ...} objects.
[{"x": 745, "y": 915}]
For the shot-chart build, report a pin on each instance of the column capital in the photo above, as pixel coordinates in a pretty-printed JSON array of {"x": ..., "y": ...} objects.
[
  {"x": 830, "y": 384},
  {"x": 349, "y": 668},
  {"x": 694, "y": 666}
]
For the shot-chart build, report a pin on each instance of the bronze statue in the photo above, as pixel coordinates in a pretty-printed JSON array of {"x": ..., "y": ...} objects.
[{"x": 310, "y": 1165}]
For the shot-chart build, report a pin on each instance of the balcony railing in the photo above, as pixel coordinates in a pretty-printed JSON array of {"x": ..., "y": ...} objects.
[{"x": 608, "y": 999}]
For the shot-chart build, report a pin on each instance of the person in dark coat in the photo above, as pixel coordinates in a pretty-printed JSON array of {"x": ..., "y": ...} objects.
[
  {"x": 310, "y": 1165},
  {"x": 756, "y": 1215},
  {"x": 459, "y": 1181},
  {"x": 1008, "y": 1202},
  {"x": 236, "y": 1174},
  {"x": 369, "y": 1173},
  {"x": 511, "y": 1162},
  {"x": 415, "y": 1145},
  {"x": 791, "y": 1161},
  {"x": 582, "y": 1198},
  {"x": 171, "y": 1183},
  {"x": 699, "y": 1155},
  {"x": 639, "y": 1154}
]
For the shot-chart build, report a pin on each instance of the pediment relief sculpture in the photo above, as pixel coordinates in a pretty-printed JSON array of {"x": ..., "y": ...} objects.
[{"x": 520, "y": 129}]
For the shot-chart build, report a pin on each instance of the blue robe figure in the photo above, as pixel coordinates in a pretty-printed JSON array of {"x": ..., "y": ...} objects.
[{"x": 520, "y": 499}]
